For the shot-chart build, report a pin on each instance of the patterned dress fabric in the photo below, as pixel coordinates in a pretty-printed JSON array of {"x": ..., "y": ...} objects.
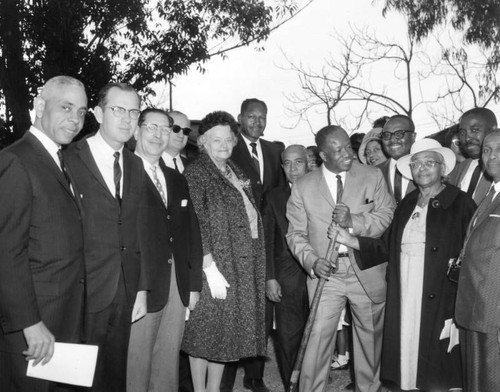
[{"x": 233, "y": 328}]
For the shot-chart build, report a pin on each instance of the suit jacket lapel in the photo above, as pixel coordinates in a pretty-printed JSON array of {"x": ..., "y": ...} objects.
[
  {"x": 323, "y": 188},
  {"x": 267, "y": 162},
  {"x": 170, "y": 191},
  {"x": 485, "y": 213},
  {"x": 87, "y": 158},
  {"x": 246, "y": 159},
  {"x": 45, "y": 158}
]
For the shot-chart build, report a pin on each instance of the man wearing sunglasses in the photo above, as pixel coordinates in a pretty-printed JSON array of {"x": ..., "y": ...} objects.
[
  {"x": 111, "y": 182},
  {"x": 177, "y": 141},
  {"x": 398, "y": 135}
]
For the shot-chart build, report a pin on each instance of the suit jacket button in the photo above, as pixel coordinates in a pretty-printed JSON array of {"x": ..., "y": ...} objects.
[
  {"x": 432, "y": 296},
  {"x": 168, "y": 217},
  {"x": 120, "y": 222},
  {"x": 434, "y": 249},
  {"x": 171, "y": 239},
  {"x": 82, "y": 281},
  {"x": 169, "y": 261},
  {"x": 122, "y": 248}
]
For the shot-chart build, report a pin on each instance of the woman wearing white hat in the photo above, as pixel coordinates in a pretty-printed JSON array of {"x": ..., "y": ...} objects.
[{"x": 427, "y": 232}]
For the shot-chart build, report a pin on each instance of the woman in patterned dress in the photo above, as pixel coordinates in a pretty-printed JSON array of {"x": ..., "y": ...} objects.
[{"x": 228, "y": 323}]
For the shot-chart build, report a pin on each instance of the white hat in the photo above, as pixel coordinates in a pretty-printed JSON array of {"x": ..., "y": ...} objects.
[
  {"x": 427, "y": 145},
  {"x": 373, "y": 134}
]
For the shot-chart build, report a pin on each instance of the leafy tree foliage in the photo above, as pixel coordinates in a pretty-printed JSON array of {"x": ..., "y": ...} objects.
[
  {"x": 478, "y": 19},
  {"x": 135, "y": 41}
]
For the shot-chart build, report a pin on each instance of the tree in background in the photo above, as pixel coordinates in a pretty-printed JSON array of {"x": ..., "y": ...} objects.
[
  {"x": 135, "y": 41},
  {"x": 354, "y": 78},
  {"x": 374, "y": 76}
]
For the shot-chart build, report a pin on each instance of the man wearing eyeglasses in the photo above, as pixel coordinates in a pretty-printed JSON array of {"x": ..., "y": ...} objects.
[
  {"x": 398, "y": 135},
  {"x": 470, "y": 175},
  {"x": 175, "y": 253},
  {"x": 111, "y": 182},
  {"x": 177, "y": 141}
]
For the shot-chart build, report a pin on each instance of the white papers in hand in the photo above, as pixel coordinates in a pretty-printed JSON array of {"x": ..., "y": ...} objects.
[{"x": 71, "y": 364}]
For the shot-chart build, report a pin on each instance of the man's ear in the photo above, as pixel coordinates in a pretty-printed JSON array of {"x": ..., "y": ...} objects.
[
  {"x": 239, "y": 118},
  {"x": 39, "y": 106},
  {"x": 323, "y": 156},
  {"x": 98, "y": 114}
]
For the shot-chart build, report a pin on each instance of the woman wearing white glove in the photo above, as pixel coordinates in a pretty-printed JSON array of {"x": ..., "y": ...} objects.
[
  {"x": 228, "y": 322},
  {"x": 216, "y": 281}
]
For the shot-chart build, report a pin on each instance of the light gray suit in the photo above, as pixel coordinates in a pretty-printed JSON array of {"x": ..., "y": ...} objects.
[{"x": 309, "y": 212}]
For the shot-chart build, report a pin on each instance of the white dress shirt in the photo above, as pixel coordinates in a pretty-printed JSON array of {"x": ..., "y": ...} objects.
[
  {"x": 169, "y": 161},
  {"x": 466, "y": 179},
  {"x": 51, "y": 146},
  {"x": 404, "y": 181},
  {"x": 104, "y": 159},
  {"x": 259, "y": 151},
  {"x": 331, "y": 181},
  {"x": 148, "y": 167}
]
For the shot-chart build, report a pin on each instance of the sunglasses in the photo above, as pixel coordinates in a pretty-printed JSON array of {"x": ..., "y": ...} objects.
[{"x": 177, "y": 129}]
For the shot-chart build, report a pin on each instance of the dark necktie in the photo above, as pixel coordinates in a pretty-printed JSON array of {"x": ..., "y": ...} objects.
[
  {"x": 63, "y": 166},
  {"x": 117, "y": 174},
  {"x": 175, "y": 165},
  {"x": 255, "y": 157},
  {"x": 474, "y": 179},
  {"x": 398, "y": 185},
  {"x": 340, "y": 189}
]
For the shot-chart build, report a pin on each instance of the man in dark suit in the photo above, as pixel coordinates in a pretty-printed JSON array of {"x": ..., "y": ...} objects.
[
  {"x": 286, "y": 279},
  {"x": 176, "y": 256},
  {"x": 398, "y": 135},
  {"x": 177, "y": 141},
  {"x": 477, "y": 309},
  {"x": 111, "y": 182},
  {"x": 258, "y": 158},
  {"x": 260, "y": 161},
  {"x": 470, "y": 175},
  {"x": 41, "y": 242}
]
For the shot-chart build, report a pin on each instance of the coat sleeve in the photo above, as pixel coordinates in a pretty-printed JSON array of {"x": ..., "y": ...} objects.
[
  {"x": 297, "y": 236},
  {"x": 195, "y": 244},
  {"x": 18, "y": 305},
  {"x": 269, "y": 223},
  {"x": 374, "y": 219},
  {"x": 198, "y": 192}
]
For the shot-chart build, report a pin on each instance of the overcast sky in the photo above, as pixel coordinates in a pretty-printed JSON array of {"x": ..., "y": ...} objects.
[{"x": 307, "y": 38}]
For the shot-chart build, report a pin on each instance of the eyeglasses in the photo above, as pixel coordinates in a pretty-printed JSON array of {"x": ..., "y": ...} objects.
[
  {"x": 177, "y": 129},
  {"x": 399, "y": 134},
  {"x": 153, "y": 128},
  {"x": 427, "y": 164},
  {"x": 120, "y": 112}
]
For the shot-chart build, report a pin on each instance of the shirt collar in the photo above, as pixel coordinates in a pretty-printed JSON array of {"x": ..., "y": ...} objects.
[{"x": 51, "y": 146}]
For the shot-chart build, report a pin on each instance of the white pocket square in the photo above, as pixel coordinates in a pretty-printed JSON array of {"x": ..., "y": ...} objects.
[
  {"x": 494, "y": 216},
  {"x": 184, "y": 202}
]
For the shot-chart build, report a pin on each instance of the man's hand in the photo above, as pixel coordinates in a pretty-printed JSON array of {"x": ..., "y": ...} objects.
[
  {"x": 322, "y": 268},
  {"x": 273, "y": 290},
  {"x": 194, "y": 297},
  {"x": 40, "y": 343},
  {"x": 342, "y": 236},
  {"x": 342, "y": 215},
  {"x": 140, "y": 306}
]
